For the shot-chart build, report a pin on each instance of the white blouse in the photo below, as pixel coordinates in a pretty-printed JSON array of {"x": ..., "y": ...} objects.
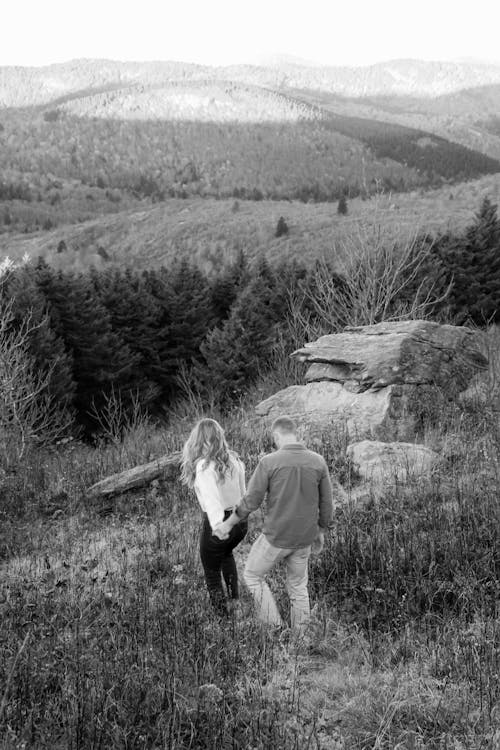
[{"x": 215, "y": 495}]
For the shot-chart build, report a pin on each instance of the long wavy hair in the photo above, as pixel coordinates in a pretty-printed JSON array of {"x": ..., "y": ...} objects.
[{"x": 206, "y": 442}]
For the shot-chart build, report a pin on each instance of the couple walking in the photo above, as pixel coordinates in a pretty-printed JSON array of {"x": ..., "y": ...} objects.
[{"x": 297, "y": 486}]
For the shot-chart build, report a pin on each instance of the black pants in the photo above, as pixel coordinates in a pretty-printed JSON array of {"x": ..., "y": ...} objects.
[{"x": 217, "y": 558}]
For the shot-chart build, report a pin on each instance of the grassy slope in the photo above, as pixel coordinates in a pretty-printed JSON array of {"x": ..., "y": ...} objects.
[
  {"x": 106, "y": 633},
  {"x": 211, "y": 137},
  {"x": 209, "y": 231}
]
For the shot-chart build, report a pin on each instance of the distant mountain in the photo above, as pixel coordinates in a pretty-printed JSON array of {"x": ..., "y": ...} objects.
[
  {"x": 455, "y": 100},
  {"x": 91, "y": 137},
  {"x": 468, "y": 116},
  {"x": 31, "y": 86}
]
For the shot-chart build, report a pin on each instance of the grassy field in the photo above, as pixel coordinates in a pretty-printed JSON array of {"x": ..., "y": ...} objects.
[
  {"x": 210, "y": 231},
  {"x": 107, "y": 640}
]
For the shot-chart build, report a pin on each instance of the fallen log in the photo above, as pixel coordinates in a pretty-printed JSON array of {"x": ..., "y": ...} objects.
[{"x": 165, "y": 467}]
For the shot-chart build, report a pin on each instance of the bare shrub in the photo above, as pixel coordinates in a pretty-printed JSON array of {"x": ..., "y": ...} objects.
[
  {"x": 377, "y": 278},
  {"x": 114, "y": 419},
  {"x": 29, "y": 414}
]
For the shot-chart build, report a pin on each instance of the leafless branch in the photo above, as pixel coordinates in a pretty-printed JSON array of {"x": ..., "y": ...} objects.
[{"x": 381, "y": 279}]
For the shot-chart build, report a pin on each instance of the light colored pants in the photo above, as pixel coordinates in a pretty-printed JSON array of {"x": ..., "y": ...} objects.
[{"x": 262, "y": 558}]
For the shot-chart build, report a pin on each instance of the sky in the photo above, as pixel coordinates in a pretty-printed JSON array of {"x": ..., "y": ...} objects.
[{"x": 220, "y": 32}]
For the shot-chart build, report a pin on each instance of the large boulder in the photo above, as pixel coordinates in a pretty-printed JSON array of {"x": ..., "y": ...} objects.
[
  {"x": 373, "y": 380},
  {"x": 414, "y": 352},
  {"x": 325, "y": 405},
  {"x": 391, "y": 462}
]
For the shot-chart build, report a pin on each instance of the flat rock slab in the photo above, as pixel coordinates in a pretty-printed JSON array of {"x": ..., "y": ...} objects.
[
  {"x": 415, "y": 352},
  {"x": 326, "y": 405},
  {"x": 392, "y": 462}
]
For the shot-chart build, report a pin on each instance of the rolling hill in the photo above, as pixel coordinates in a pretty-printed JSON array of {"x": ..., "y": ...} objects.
[
  {"x": 89, "y": 146},
  {"x": 211, "y": 231},
  {"x": 466, "y": 117},
  {"x": 20, "y": 87}
]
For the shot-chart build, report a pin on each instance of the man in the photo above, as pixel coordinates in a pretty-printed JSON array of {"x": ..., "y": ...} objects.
[{"x": 299, "y": 510}]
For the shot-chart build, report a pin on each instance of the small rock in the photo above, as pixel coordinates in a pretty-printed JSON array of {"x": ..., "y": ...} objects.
[{"x": 391, "y": 462}]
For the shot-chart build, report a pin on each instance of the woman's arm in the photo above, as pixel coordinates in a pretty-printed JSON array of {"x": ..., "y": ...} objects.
[{"x": 206, "y": 485}]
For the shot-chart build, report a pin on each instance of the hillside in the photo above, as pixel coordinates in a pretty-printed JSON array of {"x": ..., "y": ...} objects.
[
  {"x": 93, "y": 138},
  {"x": 210, "y": 231},
  {"x": 466, "y": 117},
  {"x": 98, "y": 153},
  {"x": 20, "y": 87},
  {"x": 205, "y": 101}
]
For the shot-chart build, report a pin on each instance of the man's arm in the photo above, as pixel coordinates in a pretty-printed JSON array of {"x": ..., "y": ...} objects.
[
  {"x": 325, "y": 510},
  {"x": 255, "y": 494},
  {"x": 325, "y": 500},
  {"x": 256, "y": 491}
]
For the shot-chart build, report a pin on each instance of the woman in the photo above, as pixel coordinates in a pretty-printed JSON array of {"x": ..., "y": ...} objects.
[{"x": 218, "y": 478}]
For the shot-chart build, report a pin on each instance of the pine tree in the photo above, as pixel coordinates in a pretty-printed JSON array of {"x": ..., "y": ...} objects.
[
  {"x": 184, "y": 297},
  {"x": 473, "y": 263},
  {"x": 342, "y": 206},
  {"x": 227, "y": 285},
  {"x": 281, "y": 227},
  {"x": 236, "y": 352},
  {"x": 133, "y": 312},
  {"x": 102, "y": 363}
]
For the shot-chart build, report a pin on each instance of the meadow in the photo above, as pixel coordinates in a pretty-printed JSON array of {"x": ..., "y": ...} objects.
[
  {"x": 211, "y": 232},
  {"x": 107, "y": 640}
]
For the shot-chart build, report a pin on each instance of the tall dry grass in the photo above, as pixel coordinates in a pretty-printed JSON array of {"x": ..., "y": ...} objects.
[{"x": 107, "y": 640}]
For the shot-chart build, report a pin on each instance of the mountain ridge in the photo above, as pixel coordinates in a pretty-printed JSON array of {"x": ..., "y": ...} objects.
[
  {"x": 28, "y": 86},
  {"x": 88, "y": 137}
]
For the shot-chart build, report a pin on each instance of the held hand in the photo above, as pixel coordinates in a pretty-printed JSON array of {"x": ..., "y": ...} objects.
[{"x": 222, "y": 530}]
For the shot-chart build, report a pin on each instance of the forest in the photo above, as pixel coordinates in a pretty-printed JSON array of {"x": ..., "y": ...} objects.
[
  {"x": 157, "y": 336},
  {"x": 58, "y": 167}
]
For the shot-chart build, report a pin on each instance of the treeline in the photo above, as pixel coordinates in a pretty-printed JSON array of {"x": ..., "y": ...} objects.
[
  {"x": 135, "y": 336},
  {"x": 435, "y": 158},
  {"x": 152, "y": 337},
  {"x": 63, "y": 169},
  {"x": 470, "y": 265},
  {"x": 302, "y": 160},
  {"x": 491, "y": 125},
  {"x": 10, "y": 191}
]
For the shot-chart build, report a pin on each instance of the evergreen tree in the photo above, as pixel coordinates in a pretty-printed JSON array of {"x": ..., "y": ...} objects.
[
  {"x": 342, "y": 206},
  {"x": 281, "y": 227},
  {"x": 226, "y": 286},
  {"x": 473, "y": 265},
  {"x": 102, "y": 363},
  {"x": 133, "y": 312},
  {"x": 184, "y": 297},
  {"x": 236, "y": 352}
]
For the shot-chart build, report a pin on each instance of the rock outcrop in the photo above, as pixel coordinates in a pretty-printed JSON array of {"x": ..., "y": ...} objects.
[
  {"x": 380, "y": 462},
  {"x": 325, "y": 405},
  {"x": 372, "y": 379}
]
